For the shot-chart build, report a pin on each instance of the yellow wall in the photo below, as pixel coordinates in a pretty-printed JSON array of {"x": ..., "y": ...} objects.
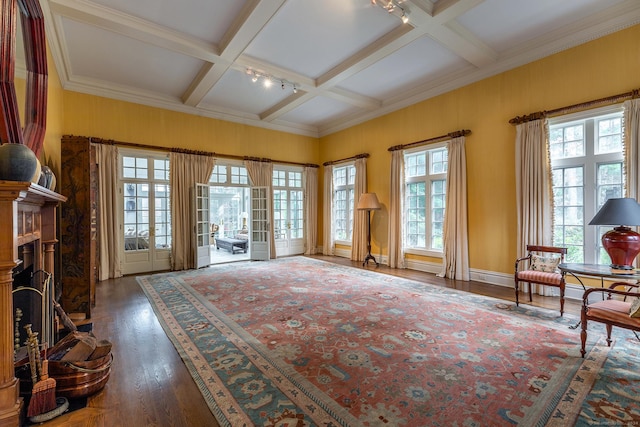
[
  {"x": 604, "y": 67},
  {"x": 94, "y": 116},
  {"x": 55, "y": 117}
]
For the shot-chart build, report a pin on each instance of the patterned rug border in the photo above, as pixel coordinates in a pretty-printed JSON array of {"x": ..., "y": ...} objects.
[
  {"x": 312, "y": 399},
  {"x": 227, "y": 413}
]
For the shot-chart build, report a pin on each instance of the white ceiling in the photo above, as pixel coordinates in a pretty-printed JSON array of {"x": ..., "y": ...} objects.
[{"x": 349, "y": 59}]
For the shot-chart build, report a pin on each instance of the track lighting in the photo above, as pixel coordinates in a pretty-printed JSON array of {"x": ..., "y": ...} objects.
[
  {"x": 268, "y": 80},
  {"x": 391, "y": 6}
]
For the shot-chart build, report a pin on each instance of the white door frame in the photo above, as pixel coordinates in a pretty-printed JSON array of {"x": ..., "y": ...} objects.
[
  {"x": 259, "y": 217},
  {"x": 201, "y": 226},
  {"x": 151, "y": 258}
]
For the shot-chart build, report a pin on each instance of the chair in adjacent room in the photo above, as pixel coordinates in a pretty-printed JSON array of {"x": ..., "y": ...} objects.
[
  {"x": 540, "y": 267},
  {"x": 622, "y": 311}
]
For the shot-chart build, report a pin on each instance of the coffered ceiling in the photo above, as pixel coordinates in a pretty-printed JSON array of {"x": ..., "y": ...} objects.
[{"x": 349, "y": 60}]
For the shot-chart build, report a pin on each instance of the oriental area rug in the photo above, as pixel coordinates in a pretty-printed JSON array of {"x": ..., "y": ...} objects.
[{"x": 302, "y": 342}]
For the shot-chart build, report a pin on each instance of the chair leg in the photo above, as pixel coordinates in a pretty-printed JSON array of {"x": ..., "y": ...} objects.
[
  {"x": 530, "y": 297},
  {"x": 609, "y": 328},
  {"x": 561, "y": 301},
  {"x": 583, "y": 332},
  {"x": 517, "y": 292}
]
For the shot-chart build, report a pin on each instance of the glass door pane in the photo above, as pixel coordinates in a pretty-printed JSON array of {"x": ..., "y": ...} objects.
[{"x": 136, "y": 217}]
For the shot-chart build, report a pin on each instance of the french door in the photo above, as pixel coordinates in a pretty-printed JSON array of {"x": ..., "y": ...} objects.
[
  {"x": 260, "y": 245},
  {"x": 146, "y": 213},
  {"x": 202, "y": 229},
  {"x": 288, "y": 212}
]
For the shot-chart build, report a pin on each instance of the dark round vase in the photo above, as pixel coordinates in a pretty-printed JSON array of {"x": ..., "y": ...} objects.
[{"x": 17, "y": 162}]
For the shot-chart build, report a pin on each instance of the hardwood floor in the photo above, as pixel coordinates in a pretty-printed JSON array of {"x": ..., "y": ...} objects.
[{"x": 149, "y": 383}]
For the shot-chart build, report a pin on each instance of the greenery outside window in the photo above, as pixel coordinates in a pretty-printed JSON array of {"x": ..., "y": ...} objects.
[
  {"x": 229, "y": 198},
  {"x": 587, "y": 155},
  {"x": 288, "y": 204},
  {"x": 147, "y": 213},
  {"x": 344, "y": 178},
  {"x": 425, "y": 198}
]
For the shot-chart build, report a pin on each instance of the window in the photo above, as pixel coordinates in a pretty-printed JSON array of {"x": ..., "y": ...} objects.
[
  {"x": 425, "y": 197},
  {"x": 587, "y": 162},
  {"x": 228, "y": 174},
  {"x": 288, "y": 204},
  {"x": 147, "y": 213},
  {"x": 344, "y": 178},
  {"x": 229, "y": 198}
]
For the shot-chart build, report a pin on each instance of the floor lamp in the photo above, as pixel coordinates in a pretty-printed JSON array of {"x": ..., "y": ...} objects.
[{"x": 368, "y": 202}]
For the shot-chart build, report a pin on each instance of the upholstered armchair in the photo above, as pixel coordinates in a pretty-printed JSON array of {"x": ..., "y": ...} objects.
[
  {"x": 622, "y": 310},
  {"x": 540, "y": 266}
]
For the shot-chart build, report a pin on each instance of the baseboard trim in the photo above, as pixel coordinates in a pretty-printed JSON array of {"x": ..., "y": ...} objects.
[{"x": 572, "y": 291}]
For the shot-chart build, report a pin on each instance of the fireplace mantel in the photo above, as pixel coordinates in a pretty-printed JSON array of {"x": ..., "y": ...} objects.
[{"x": 27, "y": 215}]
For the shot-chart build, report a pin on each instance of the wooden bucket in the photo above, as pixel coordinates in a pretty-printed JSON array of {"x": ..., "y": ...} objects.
[{"x": 80, "y": 379}]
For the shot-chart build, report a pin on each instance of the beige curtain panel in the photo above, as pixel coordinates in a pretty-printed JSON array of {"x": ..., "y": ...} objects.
[
  {"x": 455, "y": 260},
  {"x": 534, "y": 195},
  {"x": 396, "y": 209},
  {"x": 311, "y": 209},
  {"x": 359, "y": 232},
  {"x": 111, "y": 241},
  {"x": 261, "y": 175},
  {"x": 632, "y": 147},
  {"x": 186, "y": 171}
]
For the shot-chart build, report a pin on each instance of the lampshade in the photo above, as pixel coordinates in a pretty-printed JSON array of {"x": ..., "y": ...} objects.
[
  {"x": 368, "y": 202},
  {"x": 622, "y": 211},
  {"x": 622, "y": 243}
]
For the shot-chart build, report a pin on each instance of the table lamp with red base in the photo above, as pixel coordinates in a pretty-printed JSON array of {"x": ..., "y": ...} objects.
[{"x": 622, "y": 243}]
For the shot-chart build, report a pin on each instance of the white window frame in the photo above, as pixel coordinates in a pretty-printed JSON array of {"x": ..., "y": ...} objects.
[
  {"x": 151, "y": 180},
  {"x": 287, "y": 187},
  {"x": 349, "y": 206},
  {"x": 429, "y": 178},
  {"x": 592, "y": 247},
  {"x": 232, "y": 178}
]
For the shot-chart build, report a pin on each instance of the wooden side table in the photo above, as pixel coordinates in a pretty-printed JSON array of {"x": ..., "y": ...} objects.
[{"x": 595, "y": 270}]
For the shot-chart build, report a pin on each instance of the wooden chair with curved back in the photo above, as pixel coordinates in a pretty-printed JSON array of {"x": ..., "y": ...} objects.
[
  {"x": 540, "y": 266},
  {"x": 613, "y": 311}
]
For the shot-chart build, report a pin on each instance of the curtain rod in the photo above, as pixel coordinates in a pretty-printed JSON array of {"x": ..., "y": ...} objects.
[
  {"x": 187, "y": 151},
  {"x": 450, "y": 135},
  {"x": 357, "y": 156},
  {"x": 635, "y": 93}
]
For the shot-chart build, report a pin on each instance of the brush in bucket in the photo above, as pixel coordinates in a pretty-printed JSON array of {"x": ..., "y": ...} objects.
[{"x": 43, "y": 393}]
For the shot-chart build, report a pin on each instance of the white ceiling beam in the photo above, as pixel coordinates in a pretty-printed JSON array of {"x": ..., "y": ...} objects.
[
  {"x": 206, "y": 79},
  {"x": 447, "y": 10},
  {"x": 443, "y": 28},
  {"x": 379, "y": 49},
  {"x": 247, "y": 25},
  {"x": 326, "y": 84},
  {"x": 349, "y": 97},
  {"x": 421, "y": 23},
  {"x": 249, "y": 22},
  {"x": 286, "y": 105}
]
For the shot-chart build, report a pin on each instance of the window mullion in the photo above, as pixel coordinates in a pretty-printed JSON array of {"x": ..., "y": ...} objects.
[{"x": 601, "y": 178}]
